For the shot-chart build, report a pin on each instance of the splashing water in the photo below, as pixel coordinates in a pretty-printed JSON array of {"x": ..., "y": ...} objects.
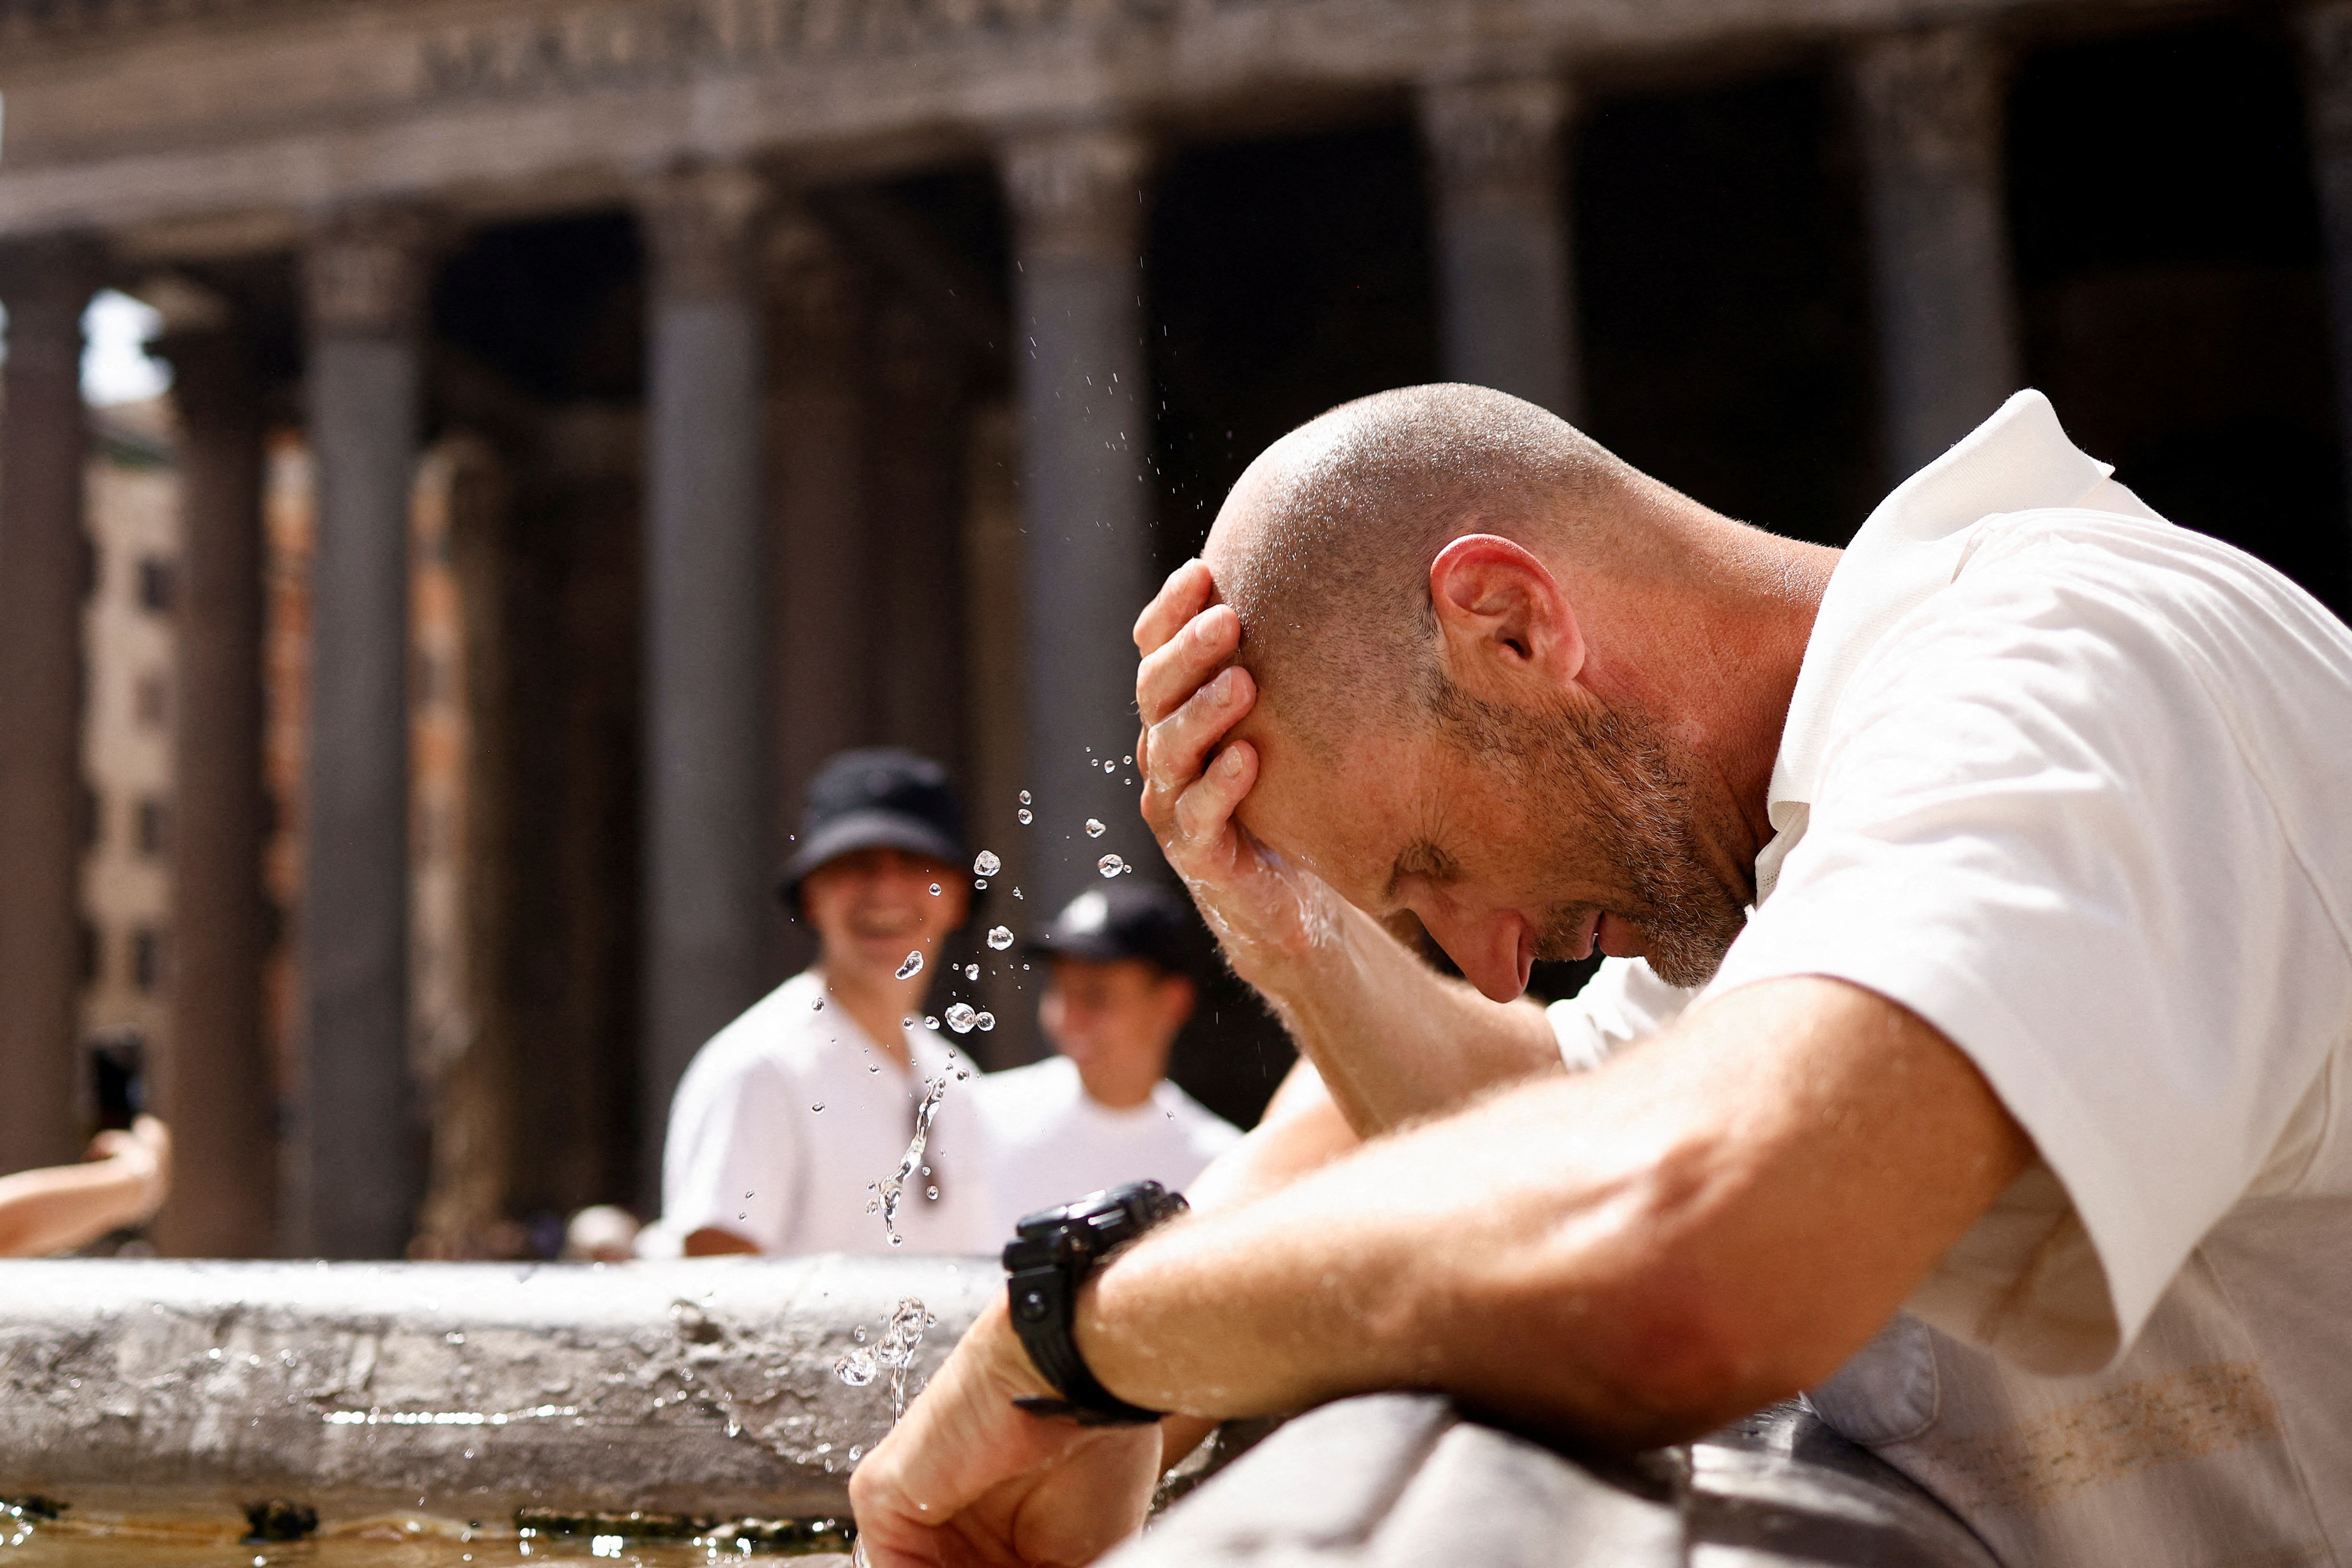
[
  {"x": 1126, "y": 761},
  {"x": 1000, "y": 937},
  {"x": 1109, "y": 766},
  {"x": 972, "y": 972},
  {"x": 1095, "y": 829},
  {"x": 986, "y": 864},
  {"x": 1025, "y": 816},
  {"x": 960, "y": 1017},
  {"x": 985, "y": 1022},
  {"x": 935, "y": 889},
  {"x": 817, "y": 1005},
  {"x": 1110, "y": 865},
  {"x": 893, "y": 1186},
  {"x": 913, "y": 966},
  {"x": 855, "y": 1368},
  {"x": 818, "y": 1105},
  {"x": 930, "y": 1023},
  {"x": 1025, "y": 797}
]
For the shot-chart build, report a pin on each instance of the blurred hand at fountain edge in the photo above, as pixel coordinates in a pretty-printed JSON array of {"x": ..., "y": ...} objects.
[
  {"x": 122, "y": 1179},
  {"x": 969, "y": 1482}
]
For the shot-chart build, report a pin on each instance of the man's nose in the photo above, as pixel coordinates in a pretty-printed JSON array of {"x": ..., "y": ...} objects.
[{"x": 1485, "y": 949}]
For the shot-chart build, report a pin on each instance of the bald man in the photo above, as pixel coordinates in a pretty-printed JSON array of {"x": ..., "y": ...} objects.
[{"x": 1978, "y": 899}]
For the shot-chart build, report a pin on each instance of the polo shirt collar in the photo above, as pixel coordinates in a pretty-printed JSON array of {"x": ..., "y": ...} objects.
[{"x": 2018, "y": 460}]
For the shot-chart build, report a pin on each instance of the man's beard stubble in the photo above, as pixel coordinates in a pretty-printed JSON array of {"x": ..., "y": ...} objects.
[{"x": 1606, "y": 785}]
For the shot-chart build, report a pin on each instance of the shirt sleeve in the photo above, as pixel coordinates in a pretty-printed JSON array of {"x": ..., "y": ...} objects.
[
  {"x": 726, "y": 1162},
  {"x": 2034, "y": 827},
  {"x": 1624, "y": 1002}
]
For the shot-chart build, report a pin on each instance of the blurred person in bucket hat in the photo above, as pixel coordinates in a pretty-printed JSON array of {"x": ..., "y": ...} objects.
[
  {"x": 1101, "y": 1110},
  {"x": 790, "y": 1117}
]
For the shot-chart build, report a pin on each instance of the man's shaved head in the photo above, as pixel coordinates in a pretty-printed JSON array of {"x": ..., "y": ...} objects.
[{"x": 1324, "y": 548}]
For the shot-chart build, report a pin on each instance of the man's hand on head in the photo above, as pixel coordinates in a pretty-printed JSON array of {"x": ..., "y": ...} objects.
[{"x": 1191, "y": 695}]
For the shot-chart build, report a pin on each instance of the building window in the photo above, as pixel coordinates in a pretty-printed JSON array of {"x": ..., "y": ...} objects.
[
  {"x": 146, "y": 958},
  {"x": 151, "y": 699},
  {"x": 155, "y": 585},
  {"x": 153, "y": 824}
]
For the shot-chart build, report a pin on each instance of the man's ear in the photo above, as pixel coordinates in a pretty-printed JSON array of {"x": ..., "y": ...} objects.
[{"x": 1503, "y": 615}]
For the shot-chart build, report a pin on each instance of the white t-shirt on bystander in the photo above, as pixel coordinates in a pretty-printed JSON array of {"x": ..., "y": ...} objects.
[
  {"x": 787, "y": 1116},
  {"x": 1052, "y": 1141},
  {"x": 2075, "y": 786}
]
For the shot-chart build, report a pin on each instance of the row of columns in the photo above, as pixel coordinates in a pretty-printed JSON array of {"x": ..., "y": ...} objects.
[{"x": 718, "y": 605}]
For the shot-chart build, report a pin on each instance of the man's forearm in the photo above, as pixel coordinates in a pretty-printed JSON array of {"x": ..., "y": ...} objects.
[
  {"x": 1394, "y": 1039},
  {"x": 1633, "y": 1254}
]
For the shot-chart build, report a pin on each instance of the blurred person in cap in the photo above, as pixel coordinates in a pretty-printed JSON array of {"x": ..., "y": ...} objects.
[
  {"x": 1102, "y": 1110},
  {"x": 786, "y": 1120}
]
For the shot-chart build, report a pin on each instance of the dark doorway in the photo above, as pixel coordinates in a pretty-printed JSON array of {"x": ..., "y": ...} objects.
[
  {"x": 2169, "y": 270},
  {"x": 1725, "y": 300}
]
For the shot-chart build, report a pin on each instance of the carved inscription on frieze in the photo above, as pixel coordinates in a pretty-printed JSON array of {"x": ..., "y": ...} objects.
[{"x": 630, "y": 41}]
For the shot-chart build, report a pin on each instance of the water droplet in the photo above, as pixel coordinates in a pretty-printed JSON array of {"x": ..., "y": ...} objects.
[
  {"x": 931, "y": 1192},
  {"x": 960, "y": 1017},
  {"x": 858, "y": 1333},
  {"x": 972, "y": 972},
  {"x": 856, "y": 1368},
  {"x": 1000, "y": 937},
  {"x": 930, "y": 1023},
  {"x": 1110, "y": 865},
  {"x": 985, "y": 1022},
  {"x": 981, "y": 883},
  {"x": 935, "y": 889},
  {"x": 818, "y": 1105},
  {"x": 856, "y": 1453},
  {"x": 913, "y": 966},
  {"x": 873, "y": 1067},
  {"x": 986, "y": 864},
  {"x": 1025, "y": 797},
  {"x": 1024, "y": 815},
  {"x": 1109, "y": 766},
  {"x": 897, "y": 1241},
  {"x": 1016, "y": 892},
  {"x": 747, "y": 1195},
  {"x": 1095, "y": 829}
]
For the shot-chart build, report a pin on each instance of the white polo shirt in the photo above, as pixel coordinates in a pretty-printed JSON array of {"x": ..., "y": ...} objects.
[
  {"x": 2075, "y": 786},
  {"x": 788, "y": 1114},
  {"x": 1052, "y": 1141}
]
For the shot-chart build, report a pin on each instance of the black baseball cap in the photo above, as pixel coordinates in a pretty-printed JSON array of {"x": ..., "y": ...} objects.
[
  {"x": 1125, "y": 919},
  {"x": 877, "y": 797}
]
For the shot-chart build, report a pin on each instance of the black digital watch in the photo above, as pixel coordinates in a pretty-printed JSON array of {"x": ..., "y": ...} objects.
[{"x": 1051, "y": 1253}]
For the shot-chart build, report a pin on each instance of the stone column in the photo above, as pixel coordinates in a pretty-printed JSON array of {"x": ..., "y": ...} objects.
[
  {"x": 45, "y": 566},
  {"x": 215, "y": 1084},
  {"x": 823, "y": 696},
  {"x": 354, "y": 1169},
  {"x": 1931, "y": 126},
  {"x": 917, "y": 456},
  {"x": 706, "y": 779},
  {"x": 2327, "y": 90},
  {"x": 1086, "y": 429},
  {"x": 1506, "y": 270}
]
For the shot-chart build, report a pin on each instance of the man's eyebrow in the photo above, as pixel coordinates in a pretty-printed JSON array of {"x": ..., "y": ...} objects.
[{"x": 1423, "y": 860}]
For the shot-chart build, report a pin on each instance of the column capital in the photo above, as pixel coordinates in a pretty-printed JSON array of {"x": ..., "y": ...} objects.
[
  {"x": 1493, "y": 136},
  {"x": 1076, "y": 191},
  {"x": 365, "y": 271},
  {"x": 699, "y": 224},
  {"x": 1931, "y": 100},
  {"x": 46, "y": 283}
]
